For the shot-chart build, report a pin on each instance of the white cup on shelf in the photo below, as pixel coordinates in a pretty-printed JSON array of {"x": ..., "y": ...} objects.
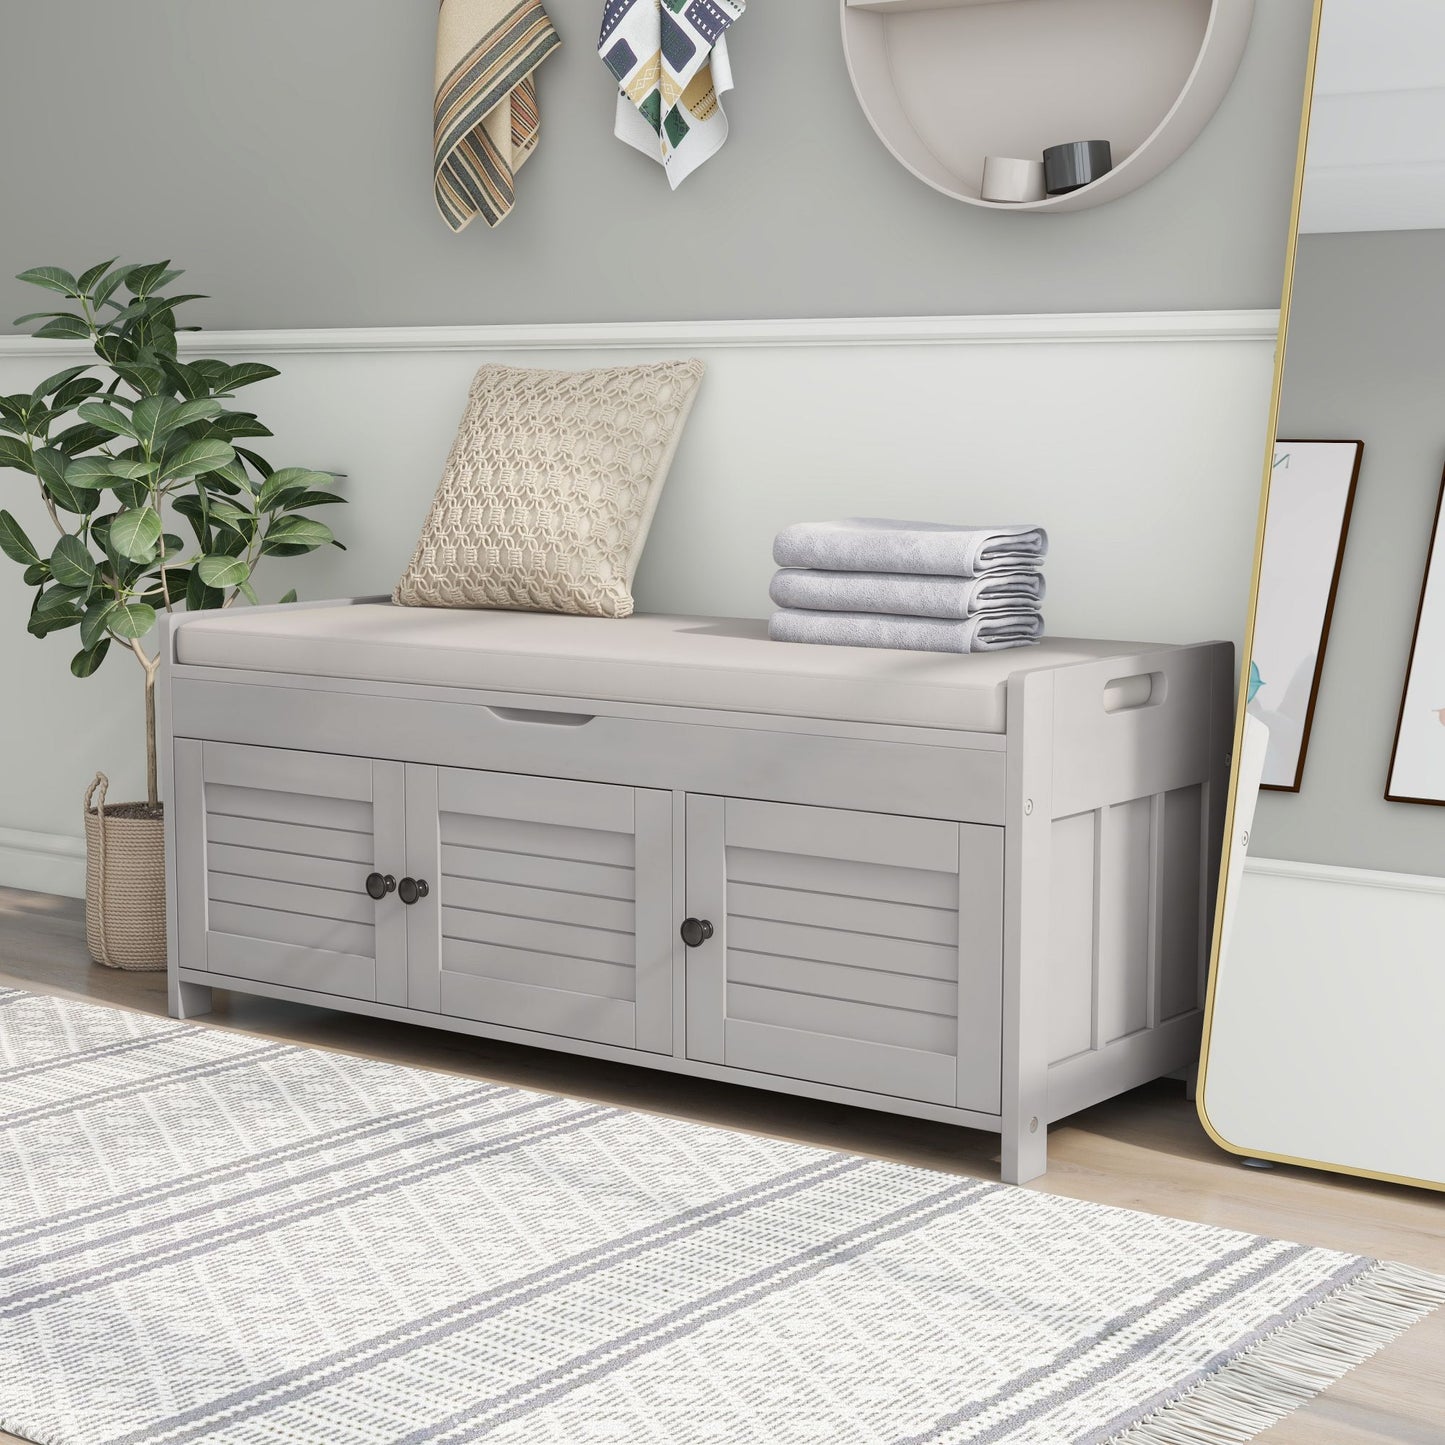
[{"x": 1007, "y": 178}]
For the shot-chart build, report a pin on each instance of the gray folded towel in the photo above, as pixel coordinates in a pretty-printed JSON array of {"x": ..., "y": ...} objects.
[
  {"x": 939, "y": 549},
  {"x": 987, "y": 632},
  {"x": 916, "y": 595}
]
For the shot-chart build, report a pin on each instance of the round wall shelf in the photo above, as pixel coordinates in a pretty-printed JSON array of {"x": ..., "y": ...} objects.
[{"x": 947, "y": 82}]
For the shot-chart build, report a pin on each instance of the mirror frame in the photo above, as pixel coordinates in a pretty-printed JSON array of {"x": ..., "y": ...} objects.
[{"x": 1230, "y": 823}]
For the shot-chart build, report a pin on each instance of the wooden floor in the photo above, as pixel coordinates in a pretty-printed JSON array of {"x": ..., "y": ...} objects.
[{"x": 1142, "y": 1151}]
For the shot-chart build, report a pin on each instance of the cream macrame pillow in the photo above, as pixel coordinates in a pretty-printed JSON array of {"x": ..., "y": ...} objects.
[{"x": 550, "y": 489}]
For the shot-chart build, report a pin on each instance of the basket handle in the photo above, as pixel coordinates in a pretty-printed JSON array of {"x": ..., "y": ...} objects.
[{"x": 102, "y": 783}]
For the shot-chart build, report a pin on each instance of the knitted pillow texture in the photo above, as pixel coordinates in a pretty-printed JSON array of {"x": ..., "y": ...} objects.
[{"x": 550, "y": 489}]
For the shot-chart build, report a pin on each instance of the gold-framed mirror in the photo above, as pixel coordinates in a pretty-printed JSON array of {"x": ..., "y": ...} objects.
[{"x": 1327, "y": 985}]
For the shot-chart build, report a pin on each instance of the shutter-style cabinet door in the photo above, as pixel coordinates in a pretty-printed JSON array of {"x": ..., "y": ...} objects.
[
  {"x": 276, "y": 890},
  {"x": 549, "y": 904},
  {"x": 852, "y": 949}
]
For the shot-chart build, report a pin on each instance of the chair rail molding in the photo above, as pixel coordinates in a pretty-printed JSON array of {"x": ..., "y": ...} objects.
[{"x": 1047, "y": 329}]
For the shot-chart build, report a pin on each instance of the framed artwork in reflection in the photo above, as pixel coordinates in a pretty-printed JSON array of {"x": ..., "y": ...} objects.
[
  {"x": 1311, "y": 494},
  {"x": 1417, "y": 764}
]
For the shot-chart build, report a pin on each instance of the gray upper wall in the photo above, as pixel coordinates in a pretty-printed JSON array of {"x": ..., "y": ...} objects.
[
  {"x": 280, "y": 151},
  {"x": 1366, "y": 362}
]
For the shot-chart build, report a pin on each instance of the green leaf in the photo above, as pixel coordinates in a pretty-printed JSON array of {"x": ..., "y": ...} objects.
[
  {"x": 37, "y": 574},
  {"x": 14, "y": 543},
  {"x": 199, "y": 597},
  {"x": 249, "y": 593},
  {"x": 57, "y": 602},
  {"x": 90, "y": 277},
  {"x": 197, "y": 459},
  {"x": 142, "y": 280},
  {"x": 71, "y": 563},
  {"x": 64, "y": 328},
  {"x": 295, "y": 501},
  {"x": 97, "y": 618},
  {"x": 14, "y": 453},
  {"x": 54, "y": 383},
  {"x": 74, "y": 392},
  {"x": 85, "y": 663},
  {"x": 302, "y": 532},
  {"x": 257, "y": 462},
  {"x": 188, "y": 413},
  {"x": 50, "y": 466},
  {"x": 233, "y": 474},
  {"x": 157, "y": 592},
  {"x": 134, "y": 534},
  {"x": 107, "y": 288},
  {"x": 289, "y": 597},
  {"x": 149, "y": 420},
  {"x": 52, "y": 278},
  {"x": 193, "y": 508},
  {"x": 76, "y": 439},
  {"x": 42, "y": 624},
  {"x": 117, "y": 348},
  {"x": 230, "y": 515},
  {"x": 132, "y": 619},
  {"x": 218, "y": 571},
  {"x": 234, "y": 424},
  {"x": 71, "y": 499},
  {"x": 213, "y": 371},
  {"x": 247, "y": 373},
  {"x": 111, "y": 418},
  {"x": 89, "y": 474},
  {"x": 289, "y": 479},
  {"x": 131, "y": 470},
  {"x": 39, "y": 316}
]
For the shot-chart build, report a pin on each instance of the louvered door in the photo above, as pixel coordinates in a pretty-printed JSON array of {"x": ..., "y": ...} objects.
[
  {"x": 276, "y": 891},
  {"x": 549, "y": 905},
  {"x": 851, "y": 949}
]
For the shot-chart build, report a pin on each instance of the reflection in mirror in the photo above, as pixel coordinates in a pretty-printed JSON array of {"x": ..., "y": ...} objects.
[{"x": 1329, "y": 989}]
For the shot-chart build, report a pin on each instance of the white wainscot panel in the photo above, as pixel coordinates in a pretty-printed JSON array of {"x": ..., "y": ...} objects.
[
  {"x": 1326, "y": 1042},
  {"x": 1136, "y": 438}
]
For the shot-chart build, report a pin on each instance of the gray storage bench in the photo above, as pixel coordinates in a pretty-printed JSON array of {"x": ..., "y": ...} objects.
[{"x": 975, "y": 889}]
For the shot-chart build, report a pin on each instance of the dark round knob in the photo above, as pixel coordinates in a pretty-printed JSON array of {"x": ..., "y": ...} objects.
[
  {"x": 410, "y": 889},
  {"x": 696, "y": 932},
  {"x": 380, "y": 884}
]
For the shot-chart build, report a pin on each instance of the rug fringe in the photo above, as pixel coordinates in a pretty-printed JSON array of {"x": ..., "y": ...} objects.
[{"x": 1291, "y": 1366}]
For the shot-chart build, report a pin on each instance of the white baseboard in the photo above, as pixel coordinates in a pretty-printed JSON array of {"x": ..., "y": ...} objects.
[{"x": 42, "y": 862}]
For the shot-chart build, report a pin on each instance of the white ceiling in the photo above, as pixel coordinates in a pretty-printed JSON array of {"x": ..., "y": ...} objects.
[{"x": 1376, "y": 159}]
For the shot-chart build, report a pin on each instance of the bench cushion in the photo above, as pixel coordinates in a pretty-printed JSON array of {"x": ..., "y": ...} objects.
[{"x": 706, "y": 662}]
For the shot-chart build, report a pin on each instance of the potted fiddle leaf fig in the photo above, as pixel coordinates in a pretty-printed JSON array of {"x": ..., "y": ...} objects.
[{"x": 153, "y": 503}]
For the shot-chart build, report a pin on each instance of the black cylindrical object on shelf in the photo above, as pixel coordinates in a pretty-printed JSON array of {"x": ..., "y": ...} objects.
[{"x": 1067, "y": 167}]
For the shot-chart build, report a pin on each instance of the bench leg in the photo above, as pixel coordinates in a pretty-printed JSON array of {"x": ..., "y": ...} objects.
[
  {"x": 1025, "y": 1149},
  {"x": 188, "y": 1000}
]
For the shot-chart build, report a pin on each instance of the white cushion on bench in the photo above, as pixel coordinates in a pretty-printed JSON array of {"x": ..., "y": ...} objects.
[{"x": 711, "y": 662}]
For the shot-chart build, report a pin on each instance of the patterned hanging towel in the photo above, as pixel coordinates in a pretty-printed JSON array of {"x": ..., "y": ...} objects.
[
  {"x": 486, "y": 119},
  {"x": 670, "y": 58}
]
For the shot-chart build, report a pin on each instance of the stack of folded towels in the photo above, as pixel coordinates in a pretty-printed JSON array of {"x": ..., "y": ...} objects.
[{"x": 922, "y": 586}]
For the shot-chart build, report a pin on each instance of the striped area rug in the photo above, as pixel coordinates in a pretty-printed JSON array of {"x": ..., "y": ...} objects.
[{"x": 206, "y": 1236}]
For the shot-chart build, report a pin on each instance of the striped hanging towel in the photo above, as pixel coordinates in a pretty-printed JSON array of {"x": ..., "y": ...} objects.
[
  {"x": 670, "y": 59},
  {"x": 486, "y": 119}
]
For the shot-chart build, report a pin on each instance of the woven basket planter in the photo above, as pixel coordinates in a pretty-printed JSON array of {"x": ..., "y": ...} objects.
[{"x": 125, "y": 883}]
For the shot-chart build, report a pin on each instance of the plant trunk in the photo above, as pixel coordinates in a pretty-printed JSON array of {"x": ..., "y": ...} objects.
[{"x": 152, "y": 791}]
